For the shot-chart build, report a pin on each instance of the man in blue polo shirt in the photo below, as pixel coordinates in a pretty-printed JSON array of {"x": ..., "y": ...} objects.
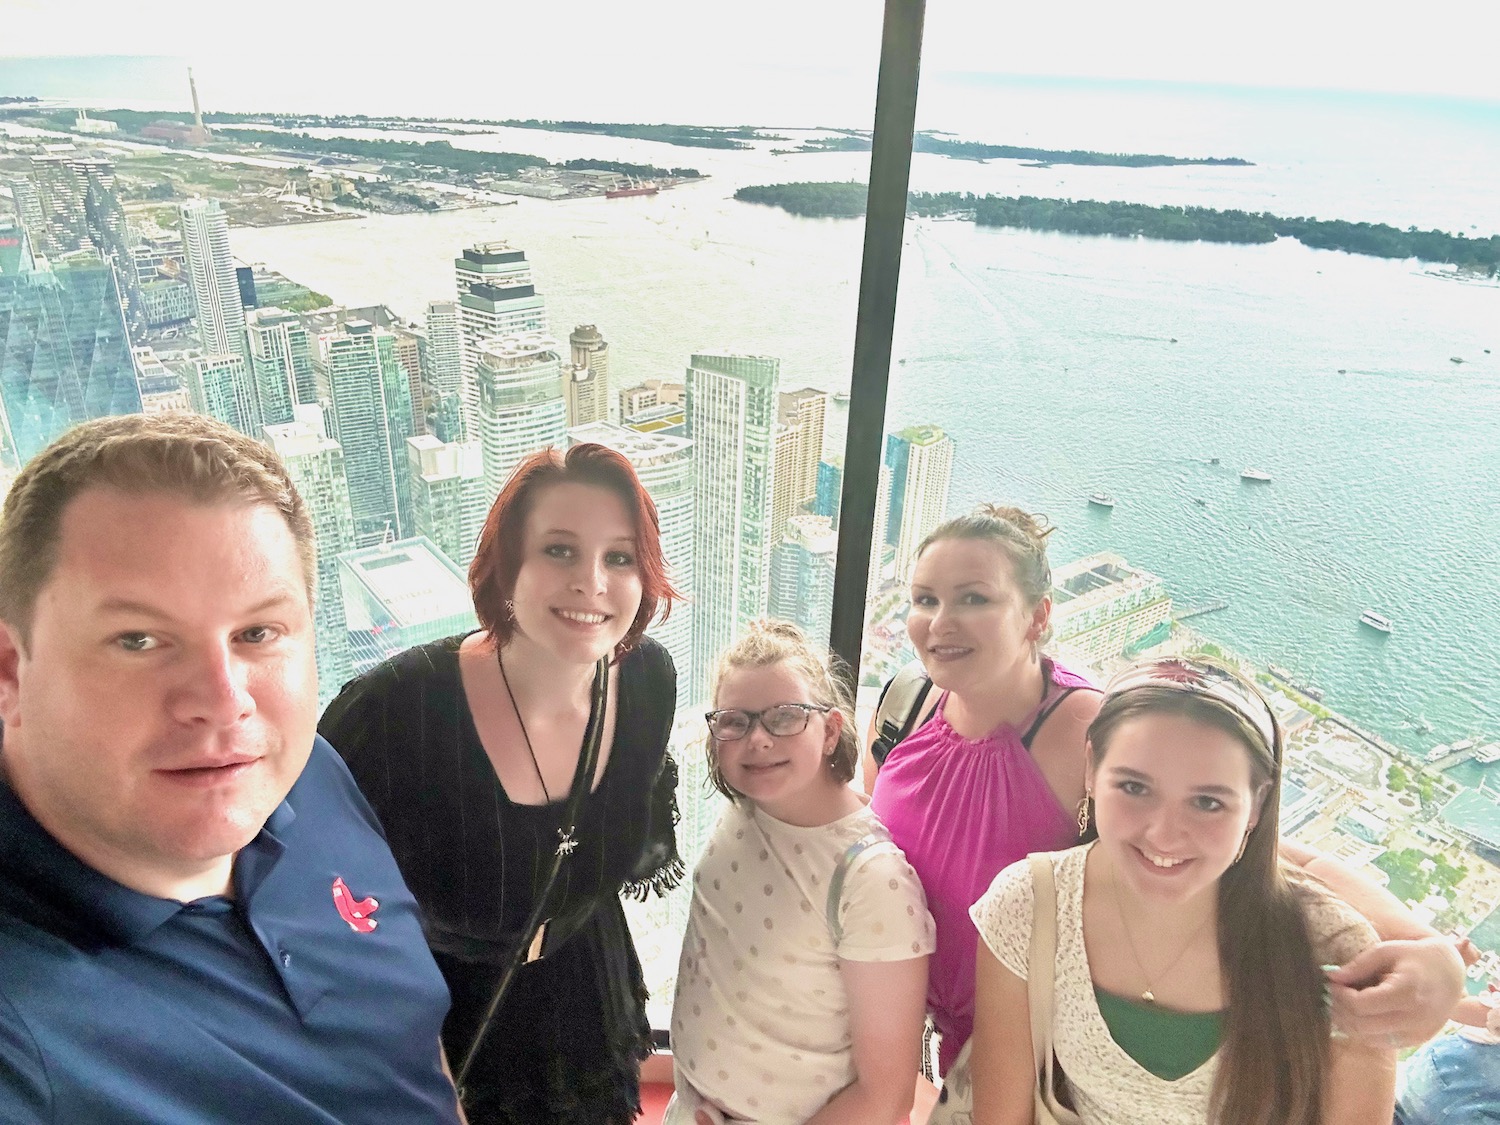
[{"x": 199, "y": 918}]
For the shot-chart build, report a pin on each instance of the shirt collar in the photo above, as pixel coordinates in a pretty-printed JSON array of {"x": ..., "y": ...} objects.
[{"x": 57, "y": 890}]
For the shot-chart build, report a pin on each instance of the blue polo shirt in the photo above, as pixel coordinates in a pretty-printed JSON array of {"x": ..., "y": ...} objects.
[{"x": 284, "y": 1005}]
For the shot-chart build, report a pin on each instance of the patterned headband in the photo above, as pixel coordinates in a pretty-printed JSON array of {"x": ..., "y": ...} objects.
[{"x": 1201, "y": 678}]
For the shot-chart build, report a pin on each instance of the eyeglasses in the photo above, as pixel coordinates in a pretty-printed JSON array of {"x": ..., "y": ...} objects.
[{"x": 782, "y": 720}]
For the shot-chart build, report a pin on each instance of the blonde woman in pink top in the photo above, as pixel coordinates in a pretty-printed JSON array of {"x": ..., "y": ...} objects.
[{"x": 995, "y": 771}]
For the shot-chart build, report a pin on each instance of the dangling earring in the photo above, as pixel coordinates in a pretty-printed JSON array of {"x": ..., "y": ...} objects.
[
  {"x": 510, "y": 608},
  {"x": 1083, "y": 813},
  {"x": 1244, "y": 843}
]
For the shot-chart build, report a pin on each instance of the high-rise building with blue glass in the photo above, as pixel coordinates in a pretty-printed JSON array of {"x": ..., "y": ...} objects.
[{"x": 64, "y": 354}]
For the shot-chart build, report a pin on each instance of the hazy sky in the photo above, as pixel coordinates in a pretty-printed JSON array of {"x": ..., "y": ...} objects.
[{"x": 679, "y": 46}]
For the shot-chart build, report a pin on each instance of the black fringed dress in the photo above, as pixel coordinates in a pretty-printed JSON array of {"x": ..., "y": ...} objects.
[{"x": 566, "y": 1045}]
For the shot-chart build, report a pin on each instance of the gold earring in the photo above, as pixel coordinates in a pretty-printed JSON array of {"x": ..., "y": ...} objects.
[
  {"x": 1244, "y": 843},
  {"x": 1083, "y": 813}
]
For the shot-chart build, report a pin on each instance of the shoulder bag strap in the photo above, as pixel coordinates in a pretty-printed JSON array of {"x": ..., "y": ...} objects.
[
  {"x": 583, "y": 781},
  {"x": 1041, "y": 973}
]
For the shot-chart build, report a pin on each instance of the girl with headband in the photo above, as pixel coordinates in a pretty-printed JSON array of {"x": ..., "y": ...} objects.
[{"x": 1187, "y": 959}]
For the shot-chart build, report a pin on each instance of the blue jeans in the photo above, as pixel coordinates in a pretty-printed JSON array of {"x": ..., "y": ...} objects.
[{"x": 1451, "y": 1080}]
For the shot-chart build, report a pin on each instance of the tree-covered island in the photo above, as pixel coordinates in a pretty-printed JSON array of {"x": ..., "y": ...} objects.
[
  {"x": 1138, "y": 220},
  {"x": 942, "y": 145}
]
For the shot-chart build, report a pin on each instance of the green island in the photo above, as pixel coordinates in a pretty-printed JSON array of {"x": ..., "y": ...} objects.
[
  {"x": 973, "y": 150},
  {"x": 1138, "y": 220},
  {"x": 688, "y": 136},
  {"x": 441, "y": 154}
]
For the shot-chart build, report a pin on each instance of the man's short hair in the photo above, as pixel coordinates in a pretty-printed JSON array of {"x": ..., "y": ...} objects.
[{"x": 191, "y": 455}]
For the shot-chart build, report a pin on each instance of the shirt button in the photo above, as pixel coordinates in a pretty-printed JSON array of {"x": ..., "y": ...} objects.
[{"x": 286, "y": 959}]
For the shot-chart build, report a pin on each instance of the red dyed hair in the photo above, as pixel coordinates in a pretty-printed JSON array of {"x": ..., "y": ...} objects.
[{"x": 497, "y": 558}]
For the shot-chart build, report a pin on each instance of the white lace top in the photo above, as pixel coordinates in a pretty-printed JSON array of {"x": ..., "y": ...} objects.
[{"x": 1108, "y": 1086}]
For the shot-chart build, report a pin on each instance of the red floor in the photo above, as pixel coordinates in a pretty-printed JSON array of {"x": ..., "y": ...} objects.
[{"x": 654, "y": 1097}]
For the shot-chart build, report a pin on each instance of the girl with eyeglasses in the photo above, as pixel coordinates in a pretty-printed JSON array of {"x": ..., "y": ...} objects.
[
  {"x": 804, "y": 966},
  {"x": 1187, "y": 959}
]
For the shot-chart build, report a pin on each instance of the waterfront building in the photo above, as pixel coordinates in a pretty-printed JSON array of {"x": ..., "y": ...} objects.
[
  {"x": 649, "y": 395},
  {"x": 315, "y": 463},
  {"x": 1102, "y": 607},
  {"x": 587, "y": 382},
  {"x": 731, "y": 417},
  {"x": 282, "y": 353},
  {"x": 165, "y": 303},
  {"x": 60, "y": 195},
  {"x": 162, "y": 389},
  {"x": 411, "y": 348},
  {"x": 449, "y": 499},
  {"x": 445, "y": 347},
  {"x": 802, "y": 576},
  {"x": 665, "y": 467},
  {"x": 496, "y": 297},
  {"x": 521, "y": 407},
  {"x": 210, "y": 272},
  {"x": 920, "y": 459},
  {"x": 798, "y": 446},
  {"x": 28, "y": 206},
  {"x": 64, "y": 354},
  {"x": 371, "y": 421},
  {"x": 830, "y": 489},
  {"x": 401, "y": 594},
  {"x": 224, "y": 387}
]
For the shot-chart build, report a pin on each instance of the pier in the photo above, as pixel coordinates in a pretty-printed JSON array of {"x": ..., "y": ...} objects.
[{"x": 1198, "y": 610}]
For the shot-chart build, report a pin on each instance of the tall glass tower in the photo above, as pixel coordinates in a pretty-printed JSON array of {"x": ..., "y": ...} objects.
[
  {"x": 371, "y": 420},
  {"x": 732, "y": 418},
  {"x": 665, "y": 467},
  {"x": 210, "y": 269},
  {"x": 64, "y": 354},
  {"x": 316, "y": 465},
  {"x": 521, "y": 406}
]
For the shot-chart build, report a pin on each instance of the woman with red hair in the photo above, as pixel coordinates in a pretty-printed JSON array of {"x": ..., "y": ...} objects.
[{"x": 521, "y": 775}]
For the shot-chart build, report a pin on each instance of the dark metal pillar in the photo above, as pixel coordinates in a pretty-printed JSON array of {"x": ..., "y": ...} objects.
[{"x": 885, "y": 220}]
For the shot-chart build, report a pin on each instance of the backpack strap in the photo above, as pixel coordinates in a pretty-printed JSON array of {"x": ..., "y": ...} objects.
[
  {"x": 869, "y": 843},
  {"x": 901, "y": 701}
]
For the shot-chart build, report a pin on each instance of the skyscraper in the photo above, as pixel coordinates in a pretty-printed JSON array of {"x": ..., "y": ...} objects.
[
  {"x": 60, "y": 193},
  {"x": 521, "y": 407},
  {"x": 449, "y": 499},
  {"x": 665, "y": 467},
  {"x": 64, "y": 354},
  {"x": 223, "y": 387},
  {"x": 371, "y": 420},
  {"x": 282, "y": 354},
  {"x": 587, "y": 380},
  {"x": 316, "y": 465},
  {"x": 411, "y": 350},
  {"x": 802, "y": 576},
  {"x": 445, "y": 347},
  {"x": 731, "y": 417},
  {"x": 798, "y": 445},
  {"x": 28, "y": 205},
  {"x": 920, "y": 459},
  {"x": 401, "y": 594},
  {"x": 496, "y": 297},
  {"x": 210, "y": 269}
]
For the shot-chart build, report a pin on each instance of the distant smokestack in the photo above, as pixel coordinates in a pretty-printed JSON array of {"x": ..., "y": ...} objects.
[{"x": 197, "y": 113}]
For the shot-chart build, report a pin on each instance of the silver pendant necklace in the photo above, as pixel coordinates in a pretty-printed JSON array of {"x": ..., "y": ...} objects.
[{"x": 565, "y": 841}]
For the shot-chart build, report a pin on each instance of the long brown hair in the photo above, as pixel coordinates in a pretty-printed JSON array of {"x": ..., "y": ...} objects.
[{"x": 1273, "y": 1060}]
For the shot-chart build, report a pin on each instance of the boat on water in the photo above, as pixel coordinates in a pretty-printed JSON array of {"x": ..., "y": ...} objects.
[
  {"x": 1256, "y": 476},
  {"x": 1101, "y": 500},
  {"x": 1438, "y": 752},
  {"x": 1375, "y": 621},
  {"x": 1202, "y": 503},
  {"x": 645, "y": 187},
  {"x": 1488, "y": 754}
]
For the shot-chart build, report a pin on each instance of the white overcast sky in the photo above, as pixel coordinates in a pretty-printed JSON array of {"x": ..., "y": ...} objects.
[{"x": 1437, "y": 46}]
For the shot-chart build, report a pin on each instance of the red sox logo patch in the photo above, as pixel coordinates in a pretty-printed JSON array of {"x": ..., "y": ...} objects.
[{"x": 354, "y": 911}]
